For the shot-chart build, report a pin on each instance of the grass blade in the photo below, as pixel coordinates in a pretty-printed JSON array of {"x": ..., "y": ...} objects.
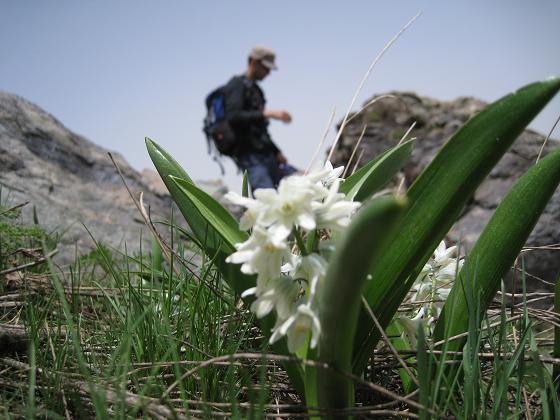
[
  {"x": 556, "y": 351},
  {"x": 400, "y": 340},
  {"x": 509, "y": 368},
  {"x": 424, "y": 373}
]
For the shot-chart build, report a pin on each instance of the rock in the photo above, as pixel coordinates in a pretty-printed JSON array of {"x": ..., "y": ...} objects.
[
  {"x": 74, "y": 185},
  {"x": 388, "y": 119},
  {"x": 71, "y": 182},
  {"x": 154, "y": 182}
]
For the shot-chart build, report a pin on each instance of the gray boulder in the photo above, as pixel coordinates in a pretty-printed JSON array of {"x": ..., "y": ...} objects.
[
  {"x": 436, "y": 121},
  {"x": 71, "y": 182}
]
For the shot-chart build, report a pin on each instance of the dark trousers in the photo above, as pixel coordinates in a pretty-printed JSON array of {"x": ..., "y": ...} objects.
[{"x": 263, "y": 169}]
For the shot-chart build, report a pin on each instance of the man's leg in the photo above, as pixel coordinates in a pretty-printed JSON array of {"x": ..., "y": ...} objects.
[
  {"x": 258, "y": 171},
  {"x": 286, "y": 169}
]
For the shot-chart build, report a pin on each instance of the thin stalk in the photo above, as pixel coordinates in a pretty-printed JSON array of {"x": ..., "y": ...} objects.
[{"x": 300, "y": 243}]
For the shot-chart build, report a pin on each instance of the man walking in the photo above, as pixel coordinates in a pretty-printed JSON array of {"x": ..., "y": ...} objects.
[{"x": 249, "y": 118}]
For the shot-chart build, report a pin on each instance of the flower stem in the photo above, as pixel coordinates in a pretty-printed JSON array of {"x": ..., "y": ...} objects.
[
  {"x": 312, "y": 241},
  {"x": 300, "y": 243}
]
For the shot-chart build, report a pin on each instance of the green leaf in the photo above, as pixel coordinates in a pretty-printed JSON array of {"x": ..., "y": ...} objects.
[
  {"x": 501, "y": 386},
  {"x": 399, "y": 336},
  {"x": 499, "y": 245},
  {"x": 424, "y": 373},
  {"x": 437, "y": 198},
  {"x": 166, "y": 167},
  {"x": 212, "y": 225},
  {"x": 222, "y": 224},
  {"x": 340, "y": 299},
  {"x": 542, "y": 378},
  {"x": 213, "y": 212},
  {"x": 371, "y": 177},
  {"x": 157, "y": 257}
]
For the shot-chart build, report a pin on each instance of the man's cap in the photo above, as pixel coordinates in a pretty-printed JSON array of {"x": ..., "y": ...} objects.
[{"x": 265, "y": 55}]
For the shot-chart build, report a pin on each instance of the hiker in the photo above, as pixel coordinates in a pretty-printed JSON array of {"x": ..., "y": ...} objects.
[{"x": 255, "y": 151}]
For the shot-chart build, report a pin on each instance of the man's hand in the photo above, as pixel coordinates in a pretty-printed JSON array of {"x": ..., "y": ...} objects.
[
  {"x": 281, "y": 158},
  {"x": 278, "y": 114}
]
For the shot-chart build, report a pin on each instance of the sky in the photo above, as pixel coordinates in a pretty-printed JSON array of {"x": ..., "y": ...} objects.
[{"x": 118, "y": 71}]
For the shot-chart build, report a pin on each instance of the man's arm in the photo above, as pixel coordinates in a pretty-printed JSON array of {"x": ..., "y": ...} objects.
[
  {"x": 239, "y": 116},
  {"x": 285, "y": 117},
  {"x": 278, "y": 114}
]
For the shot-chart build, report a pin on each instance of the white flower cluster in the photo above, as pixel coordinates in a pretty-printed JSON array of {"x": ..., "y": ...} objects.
[
  {"x": 287, "y": 282},
  {"x": 431, "y": 288},
  {"x": 434, "y": 283}
]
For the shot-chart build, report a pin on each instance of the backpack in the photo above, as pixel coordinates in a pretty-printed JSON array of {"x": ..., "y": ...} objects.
[{"x": 216, "y": 124}]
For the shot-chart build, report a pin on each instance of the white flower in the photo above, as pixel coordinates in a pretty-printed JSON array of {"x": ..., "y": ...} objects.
[
  {"x": 297, "y": 328},
  {"x": 326, "y": 175},
  {"x": 281, "y": 296},
  {"x": 332, "y": 175},
  {"x": 254, "y": 209},
  {"x": 313, "y": 268},
  {"x": 434, "y": 283},
  {"x": 335, "y": 211},
  {"x": 410, "y": 327},
  {"x": 447, "y": 273},
  {"x": 443, "y": 256},
  {"x": 260, "y": 255},
  {"x": 319, "y": 172},
  {"x": 288, "y": 283},
  {"x": 288, "y": 207}
]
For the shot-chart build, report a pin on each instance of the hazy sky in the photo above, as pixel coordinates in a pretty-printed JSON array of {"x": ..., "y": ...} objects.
[{"x": 117, "y": 71}]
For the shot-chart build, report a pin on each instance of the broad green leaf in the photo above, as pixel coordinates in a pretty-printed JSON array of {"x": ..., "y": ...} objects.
[
  {"x": 212, "y": 225},
  {"x": 437, "y": 198},
  {"x": 223, "y": 225},
  {"x": 164, "y": 162},
  {"x": 213, "y": 212},
  {"x": 499, "y": 245},
  {"x": 341, "y": 296},
  {"x": 215, "y": 245},
  {"x": 371, "y": 177},
  {"x": 166, "y": 167}
]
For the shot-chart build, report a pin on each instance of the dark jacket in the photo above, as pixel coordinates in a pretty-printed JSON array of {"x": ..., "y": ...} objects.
[{"x": 244, "y": 107}]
